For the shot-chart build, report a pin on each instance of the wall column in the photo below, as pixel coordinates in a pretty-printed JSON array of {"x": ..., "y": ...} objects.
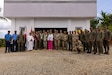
[
  {"x": 32, "y": 23},
  {"x": 87, "y": 24},
  {"x": 69, "y": 25},
  {"x": 13, "y": 25}
]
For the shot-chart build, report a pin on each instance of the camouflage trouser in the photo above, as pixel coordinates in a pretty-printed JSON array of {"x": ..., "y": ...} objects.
[
  {"x": 70, "y": 46},
  {"x": 78, "y": 48},
  {"x": 57, "y": 44},
  {"x": 84, "y": 46},
  {"x": 64, "y": 45},
  {"x": 99, "y": 46},
  {"x": 87, "y": 45},
  {"x": 20, "y": 46},
  {"x": 106, "y": 45},
  {"x": 90, "y": 46},
  {"x": 95, "y": 46},
  {"x": 45, "y": 44},
  {"x": 40, "y": 44},
  {"x": 36, "y": 45}
]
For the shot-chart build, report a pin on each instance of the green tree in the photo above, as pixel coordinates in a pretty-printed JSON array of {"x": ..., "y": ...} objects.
[
  {"x": 94, "y": 22},
  {"x": 104, "y": 19}
]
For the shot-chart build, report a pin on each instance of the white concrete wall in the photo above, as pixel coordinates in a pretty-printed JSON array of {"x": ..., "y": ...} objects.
[
  {"x": 84, "y": 23},
  {"x": 77, "y": 10},
  {"x": 29, "y": 23},
  {"x": 51, "y": 23}
]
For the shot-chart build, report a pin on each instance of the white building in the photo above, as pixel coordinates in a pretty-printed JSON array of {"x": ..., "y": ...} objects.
[{"x": 68, "y": 14}]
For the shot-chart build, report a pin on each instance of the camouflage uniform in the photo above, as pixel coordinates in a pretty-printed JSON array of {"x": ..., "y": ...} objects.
[
  {"x": 54, "y": 34},
  {"x": 57, "y": 40},
  {"x": 41, "y": 40},
  {"x": 70, "y": 41},
  {"x": 87, "y": 40},
  {"x": 91, "y": 40},
  {"x": 78, "y": 46},
  {"x": 74, "y": 36},
  {"x": 82, "y": 39},
  {"x": 64, "y": 41},
  {"x": 45, "y": 40},
  {"x": 107, "y": 37},
  {"x": 99, "y": 41},
  {"x": 21, "y": 41},
  {"x": 61, "y": 38}
]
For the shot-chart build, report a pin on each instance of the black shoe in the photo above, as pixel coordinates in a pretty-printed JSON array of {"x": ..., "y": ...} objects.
[
  {"x": 88, "y": 52},
  {"x": 94, "y": 52}
]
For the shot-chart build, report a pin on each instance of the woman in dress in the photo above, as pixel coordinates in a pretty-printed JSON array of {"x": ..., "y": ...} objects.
[{"x": 50, "y": 40}]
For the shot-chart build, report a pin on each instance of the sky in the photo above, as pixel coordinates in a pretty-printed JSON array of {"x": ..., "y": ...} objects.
[{"x": 104, "y": 5}]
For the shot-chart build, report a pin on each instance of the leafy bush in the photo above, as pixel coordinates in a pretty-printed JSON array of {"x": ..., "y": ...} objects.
[{"x": 2, "y": 43}]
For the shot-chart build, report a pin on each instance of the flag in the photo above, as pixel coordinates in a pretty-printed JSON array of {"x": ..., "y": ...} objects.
[{"x": 31, "y": 30}]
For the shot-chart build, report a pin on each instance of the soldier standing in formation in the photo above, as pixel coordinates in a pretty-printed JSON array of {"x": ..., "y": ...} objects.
[
  {"x": 40, "y": 40},
  {"x": 74, "y": 36},
  {"x": 91, "y": 39},
  {"x": 21, "y": 41},
  {"x": 82, "y": 39},
  {"x": 45, "y": 40},
  {"x": 87, "y": 40},
  {"x": 99, "y": 41},
  {"x": 64, "y": 41},
  {"x": 70, "y": 41},
  {"x": 57, "y": 40},
  {"x": 61, "y": 35},
  {"x": 107, "y": 38}
]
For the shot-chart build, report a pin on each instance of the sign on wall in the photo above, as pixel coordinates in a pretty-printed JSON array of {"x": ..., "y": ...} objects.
[{"x": 1, "y": 7}]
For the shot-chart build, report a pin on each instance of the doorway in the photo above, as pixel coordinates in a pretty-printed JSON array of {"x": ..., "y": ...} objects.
[{"x": 63, "y": 29}]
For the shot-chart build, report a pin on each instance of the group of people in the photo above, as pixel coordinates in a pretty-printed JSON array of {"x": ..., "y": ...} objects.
[{"x": 93, "y": 41}]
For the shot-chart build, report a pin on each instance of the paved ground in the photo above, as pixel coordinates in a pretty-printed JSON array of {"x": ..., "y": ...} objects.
[{"x": 44, "y": 62}]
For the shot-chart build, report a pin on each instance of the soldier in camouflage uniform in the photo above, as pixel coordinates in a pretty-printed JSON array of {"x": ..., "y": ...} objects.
[
  {"x": 21, "y": 41},
  {"x": 64, "y": 41},
  {"x": 70, "y": 40},
  {"x": 107, "y": 38},
  {"x": 87, "y": 40},
  {"x": 74, "y": 36},
  {"x": 57, "y": 40},
  {"x": 61, "y": 35},
  {"x": 40, "y": 37},
  {"x": 91, "y": 39},
  {"x": 78, "y": 46},
  {"x": 82, "y": 39},
  {"x": 45, "y": 40},
  {"x": 54, "y": 34},
  {"x": 99, "y": 40}
]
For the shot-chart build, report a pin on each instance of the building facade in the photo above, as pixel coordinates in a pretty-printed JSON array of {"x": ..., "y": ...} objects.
[{"x": 38, "y": 14}]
